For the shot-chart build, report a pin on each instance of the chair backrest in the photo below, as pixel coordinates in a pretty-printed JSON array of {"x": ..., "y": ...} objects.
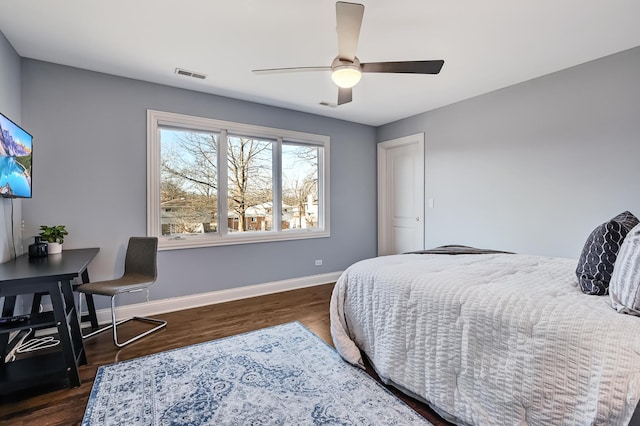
[{"x": 141, "y": 257}]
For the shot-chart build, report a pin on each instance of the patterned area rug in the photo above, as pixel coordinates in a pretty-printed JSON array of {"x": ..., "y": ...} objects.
[{"x": 283, "y": 375}]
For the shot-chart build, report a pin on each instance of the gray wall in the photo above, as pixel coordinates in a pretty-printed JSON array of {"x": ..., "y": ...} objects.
[
  {"x": 89, "y": 174},
  {"x": 536, "y": 166},
  {"x": 10, "y": 107}
]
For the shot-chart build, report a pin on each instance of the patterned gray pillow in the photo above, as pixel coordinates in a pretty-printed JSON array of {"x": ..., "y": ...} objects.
[
  {"x": 624, "y": 288},
  {"x": 600, "y": 251}
]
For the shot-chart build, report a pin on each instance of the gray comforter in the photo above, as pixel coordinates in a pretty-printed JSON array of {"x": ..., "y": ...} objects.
[{"x": 491, "y": 339}]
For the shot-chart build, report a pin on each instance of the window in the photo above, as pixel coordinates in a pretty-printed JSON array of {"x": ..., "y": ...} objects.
[{"x": 214, "y": 182}]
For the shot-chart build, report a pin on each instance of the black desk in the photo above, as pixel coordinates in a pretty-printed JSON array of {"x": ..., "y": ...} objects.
[{"x": 52, "y": 275}]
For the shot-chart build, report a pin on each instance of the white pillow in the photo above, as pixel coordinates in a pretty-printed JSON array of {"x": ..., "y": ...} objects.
[{"x": 624, "y": 287}]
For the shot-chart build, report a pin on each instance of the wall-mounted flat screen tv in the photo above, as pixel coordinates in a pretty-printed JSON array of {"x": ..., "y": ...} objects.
[{"x": 15, "y": 160}]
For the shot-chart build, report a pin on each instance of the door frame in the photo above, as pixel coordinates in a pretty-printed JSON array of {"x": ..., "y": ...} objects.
[{"x": 383, "y": 148}]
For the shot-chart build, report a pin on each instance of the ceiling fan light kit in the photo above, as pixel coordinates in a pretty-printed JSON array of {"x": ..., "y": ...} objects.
[
  {"x": 346, "y": 69},
  {"x": 346, "y": 74}
]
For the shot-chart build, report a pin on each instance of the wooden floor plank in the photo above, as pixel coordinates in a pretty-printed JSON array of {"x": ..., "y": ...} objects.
[{"x": 66, "y": 407}]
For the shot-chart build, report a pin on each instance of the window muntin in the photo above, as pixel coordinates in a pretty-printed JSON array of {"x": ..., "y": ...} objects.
[{"x": 202, "y": 170}]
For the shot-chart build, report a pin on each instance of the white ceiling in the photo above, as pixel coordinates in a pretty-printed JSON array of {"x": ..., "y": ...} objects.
[{"x": 486, "y": 45}]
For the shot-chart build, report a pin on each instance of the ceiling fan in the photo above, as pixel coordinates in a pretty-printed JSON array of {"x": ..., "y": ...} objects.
[{"x": 346, "y": 68}]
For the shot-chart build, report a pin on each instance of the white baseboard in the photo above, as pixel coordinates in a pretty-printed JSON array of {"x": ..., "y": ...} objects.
[{"x": 156, "y": 307}]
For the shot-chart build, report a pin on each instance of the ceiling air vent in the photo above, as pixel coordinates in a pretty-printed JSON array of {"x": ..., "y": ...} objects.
[
  {"x": 188, "y": 73},
  {"x": 328, "y": 104}
]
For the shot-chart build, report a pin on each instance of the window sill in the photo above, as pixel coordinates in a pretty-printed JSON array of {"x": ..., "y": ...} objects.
[{"x": 189, "y": 242}]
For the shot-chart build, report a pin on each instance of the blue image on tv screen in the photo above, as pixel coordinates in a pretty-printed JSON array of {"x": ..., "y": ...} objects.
[{"x": 15, "y": 160}]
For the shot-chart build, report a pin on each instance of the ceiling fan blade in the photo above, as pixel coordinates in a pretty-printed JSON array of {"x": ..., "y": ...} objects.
[
  {"x": 293, "y": 69},
  {"x": 348, "y": 23},
  {"x": 344, "y": 95},
  {"x": 408, "y": 67}
]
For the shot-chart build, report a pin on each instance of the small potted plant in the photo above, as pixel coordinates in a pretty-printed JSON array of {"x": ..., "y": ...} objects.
[{"x": 54, "y": 236}]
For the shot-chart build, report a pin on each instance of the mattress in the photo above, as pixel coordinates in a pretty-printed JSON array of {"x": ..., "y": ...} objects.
[{"x": 490, "y": 339}]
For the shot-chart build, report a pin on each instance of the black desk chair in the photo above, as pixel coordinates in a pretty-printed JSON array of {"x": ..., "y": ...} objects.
[{"x": 140, "y": 271}]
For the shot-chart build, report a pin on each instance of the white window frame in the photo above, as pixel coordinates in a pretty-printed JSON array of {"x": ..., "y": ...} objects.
[{"x": 158, "y": 119}]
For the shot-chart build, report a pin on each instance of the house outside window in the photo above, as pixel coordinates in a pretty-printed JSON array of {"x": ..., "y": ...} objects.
[{"x": 213, "y": 182}]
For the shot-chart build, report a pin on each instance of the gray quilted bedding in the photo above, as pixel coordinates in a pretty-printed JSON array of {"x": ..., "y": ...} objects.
[{"x": 491, "y": 339}]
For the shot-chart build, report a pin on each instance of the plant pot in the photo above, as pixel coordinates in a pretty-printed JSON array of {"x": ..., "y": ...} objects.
[{"x": 54, "y": 248}]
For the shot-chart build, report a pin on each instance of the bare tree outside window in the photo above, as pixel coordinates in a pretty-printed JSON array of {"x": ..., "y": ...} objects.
[
  {"x": 300, "y": 185},
  {"x": 189, "y": 182},
  {"x": 250, "y": 194}
]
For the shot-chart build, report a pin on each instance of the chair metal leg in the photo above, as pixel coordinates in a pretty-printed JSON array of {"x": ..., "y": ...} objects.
[
  {"x": 105, "y": 328},
  {"x": 114, "y": 325}
]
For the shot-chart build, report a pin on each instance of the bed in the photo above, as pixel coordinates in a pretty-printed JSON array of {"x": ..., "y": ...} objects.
[{"x": 490, "y": 338}]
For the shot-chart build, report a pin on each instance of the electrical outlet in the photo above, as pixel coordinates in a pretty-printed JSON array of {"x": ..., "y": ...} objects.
[{"x": 318, "y": 262}]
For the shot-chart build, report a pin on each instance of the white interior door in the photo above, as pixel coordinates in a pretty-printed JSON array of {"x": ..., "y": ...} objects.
[{"x": 401, "y": 195}]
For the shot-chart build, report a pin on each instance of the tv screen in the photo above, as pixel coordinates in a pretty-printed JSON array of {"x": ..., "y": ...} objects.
[{"x": 15, "y": 160}]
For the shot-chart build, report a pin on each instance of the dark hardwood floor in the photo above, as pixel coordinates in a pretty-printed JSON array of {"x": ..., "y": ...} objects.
[{"x": 66, "y": 406}]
